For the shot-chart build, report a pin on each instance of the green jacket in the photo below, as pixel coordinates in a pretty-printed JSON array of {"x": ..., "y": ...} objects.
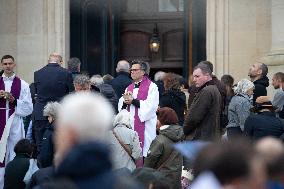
[{"x": 163, "y": 157}]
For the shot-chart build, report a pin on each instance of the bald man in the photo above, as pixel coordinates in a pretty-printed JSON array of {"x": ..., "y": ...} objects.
[
  {"x": 122, "y": 79},
  {"x": 52, "y": 83},
  {"x": 257, "y": 74}
]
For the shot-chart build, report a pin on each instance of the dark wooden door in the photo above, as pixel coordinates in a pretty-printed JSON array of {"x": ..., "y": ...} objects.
[
  {"x": 104, "y": 31},
  {"x": 94, "y": 30}
]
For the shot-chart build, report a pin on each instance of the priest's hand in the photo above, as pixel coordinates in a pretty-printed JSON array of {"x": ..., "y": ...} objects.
[
  {"x": 2, "y": 93},
  {"x": 128, "y": 100},
  {"x": 10, "y": 98},
  {"x": 128, "y": 97}
]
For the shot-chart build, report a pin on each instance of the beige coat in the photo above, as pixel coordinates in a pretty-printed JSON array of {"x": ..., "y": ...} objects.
[{"x": 120, "y": 157}]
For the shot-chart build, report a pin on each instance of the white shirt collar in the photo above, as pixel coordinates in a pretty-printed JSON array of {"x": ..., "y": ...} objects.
[{"x": 5, "y": 78}]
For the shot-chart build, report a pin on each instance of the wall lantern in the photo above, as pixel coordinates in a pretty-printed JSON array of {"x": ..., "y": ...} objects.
[{"x": 155, "y": 41}]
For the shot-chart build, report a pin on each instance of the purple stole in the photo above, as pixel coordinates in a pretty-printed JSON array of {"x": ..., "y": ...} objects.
[
  {"x": 139, "y": 126},
  {"x": 15, "y": 91}
]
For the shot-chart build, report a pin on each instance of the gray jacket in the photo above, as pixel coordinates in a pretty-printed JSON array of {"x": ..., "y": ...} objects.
[
  {"x": 278, "y": 100},
  {"x": 239, "y": 110},
  {"x": 120, "y": 157}
]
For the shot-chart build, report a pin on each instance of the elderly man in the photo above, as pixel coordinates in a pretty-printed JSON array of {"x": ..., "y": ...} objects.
[
  {"x": 82, "y": 83},
  {"x": 141, "y": 99},
  {"x": 15, "y": 103},
  {"x": 203, "y": 117},
  {"x": 82, "y": 127},
  {"x": 51, "y": 82},
  {"x": 257, "y": 74},
  {"x": 122, "y": 79}
]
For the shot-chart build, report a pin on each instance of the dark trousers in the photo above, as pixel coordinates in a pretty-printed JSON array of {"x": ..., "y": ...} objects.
[{"x": 38, "y": 131}]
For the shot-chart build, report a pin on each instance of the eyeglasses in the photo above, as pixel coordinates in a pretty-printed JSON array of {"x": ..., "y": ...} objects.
[{"x": 134, "y": 70}]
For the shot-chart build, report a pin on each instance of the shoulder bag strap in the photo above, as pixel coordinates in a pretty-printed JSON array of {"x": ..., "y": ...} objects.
[
  {"x": 123, "y": 145},
  {"x": 170, "y": 158}
]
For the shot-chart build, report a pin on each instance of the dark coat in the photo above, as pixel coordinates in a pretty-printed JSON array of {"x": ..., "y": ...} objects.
[
  {"x": 175, "y": 100},
  {"x": 260, "y": 87},
  {"x": 222, "y": 89},
  {"x": 15, "y": 172},
  {"x": 52, "y": 82},
  {"x": 161, "y": 88},
  {"x": 41, "y": 176},
  {"x": 263, "y": 124},
  {"x": 161, "y": 150},
  {"x": 45, "y": 156},
  {"x": 107, "y": 91},
  {"x": 203, "y": 118},
  {"x": 120, "y": 83},
  {"x": 89, "y": 166}
]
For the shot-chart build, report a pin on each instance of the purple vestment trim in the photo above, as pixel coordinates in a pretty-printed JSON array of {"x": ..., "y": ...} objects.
[
  {"x": 139, "y": 126},
  {"x": 15, "y": 91}
]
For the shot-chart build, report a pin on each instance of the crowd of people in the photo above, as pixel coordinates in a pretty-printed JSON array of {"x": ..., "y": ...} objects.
[{"x": 70, "y": 130}]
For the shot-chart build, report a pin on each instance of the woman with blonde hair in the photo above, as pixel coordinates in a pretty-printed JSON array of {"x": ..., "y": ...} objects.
[{"x": 239, "y": 108}]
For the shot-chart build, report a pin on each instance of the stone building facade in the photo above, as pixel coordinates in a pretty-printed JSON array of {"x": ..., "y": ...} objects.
[{"x": 238, "y": 33}]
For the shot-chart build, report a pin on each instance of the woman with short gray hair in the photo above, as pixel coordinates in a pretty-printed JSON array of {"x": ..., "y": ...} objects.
[
  {"x": 46, "y": 151},
  {"x": 124, "y": 142},
  {"x": 50, "y": 111},
  {"x": 239, "y": 108}
]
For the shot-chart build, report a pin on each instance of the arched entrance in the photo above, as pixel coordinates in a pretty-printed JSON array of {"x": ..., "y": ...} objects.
[{"x": 104, "y": 31}]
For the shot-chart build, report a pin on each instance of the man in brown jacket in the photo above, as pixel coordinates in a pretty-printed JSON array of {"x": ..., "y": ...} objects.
[{"x": 203, "y": 119}]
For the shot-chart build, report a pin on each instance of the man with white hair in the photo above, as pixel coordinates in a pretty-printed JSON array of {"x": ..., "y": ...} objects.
[
  {"x": 82, "y": 128},
  {"x": 122, "y": 79},
  {"x": 82, "y": 83},
  {"x": 98, "y": 85},
  {"x": 159, "y": 80}
]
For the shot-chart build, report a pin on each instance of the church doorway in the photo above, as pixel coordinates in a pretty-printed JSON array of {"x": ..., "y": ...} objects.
[{"x": 105, "y": 31}]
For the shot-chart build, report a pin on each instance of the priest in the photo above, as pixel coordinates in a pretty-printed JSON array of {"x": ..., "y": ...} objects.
[
  {"x": 141, "y": 99},
  {"x": 15, "y": 103}
]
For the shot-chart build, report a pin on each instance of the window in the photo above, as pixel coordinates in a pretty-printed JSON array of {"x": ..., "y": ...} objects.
[{"x": 170, "y": 5}]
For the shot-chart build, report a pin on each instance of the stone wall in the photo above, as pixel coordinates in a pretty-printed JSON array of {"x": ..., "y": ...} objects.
[
  {"x": 32, "y": 29},
  {"x": 238, "y": 34}
]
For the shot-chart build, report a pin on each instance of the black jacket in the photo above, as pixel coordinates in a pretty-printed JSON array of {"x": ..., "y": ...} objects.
[
  {"x": 107, "y": 91},
  {"x": 45, "y": 156},
  {"x": 15, "y": 172},
  {"x": 263, "y": 124},
  {"x": 175, "y": 100},
  {"x": 260, "y": 87},
  {"x": 120, "y": 83},
  {"x": 41, "y": 176},
  {"x": 89, "y": 166},
  {"x": 52, "y": 83},
  {"x": 161, "y": 88}
]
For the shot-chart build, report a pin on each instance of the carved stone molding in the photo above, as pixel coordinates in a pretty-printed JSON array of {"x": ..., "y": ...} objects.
[
  {"x": 57, "y": 22},
  {"x": 276, "y": 55},
  {"x": 218, "y": 35}
]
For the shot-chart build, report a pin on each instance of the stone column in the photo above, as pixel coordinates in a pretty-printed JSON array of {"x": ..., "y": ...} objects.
[
  {"x": 42, "y": 28},
  {"x": 275, "y": 58},
  {"x": 276, "y": 55},
  {"x": 57, "y": 22},
  {"x": 217, "y": 35}
]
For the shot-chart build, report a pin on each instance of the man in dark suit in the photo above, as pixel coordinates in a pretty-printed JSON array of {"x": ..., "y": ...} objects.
[
  {"x": 52, "y": 82},
  {"x": 122, "y": 80}
]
